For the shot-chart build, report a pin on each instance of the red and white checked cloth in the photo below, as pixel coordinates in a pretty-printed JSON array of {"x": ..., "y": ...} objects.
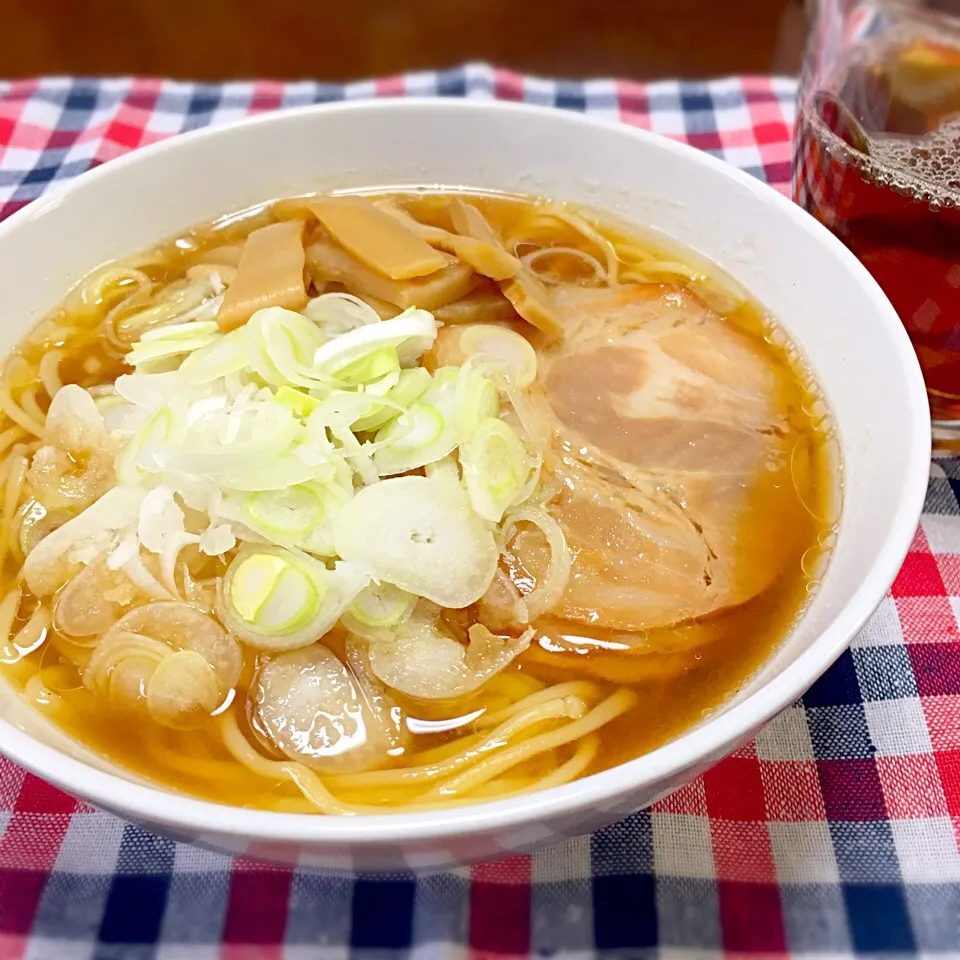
[{"x": 835, "y": 834}]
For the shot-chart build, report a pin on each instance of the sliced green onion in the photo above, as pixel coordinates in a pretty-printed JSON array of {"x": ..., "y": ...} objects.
[
  {"x": 145, "y": 355},
  {"x": 220, "y": 358},
  {"x": 477, "y": 399},
  {"x": 500, "y": 351},
  {"x": 302, "y": 404},
  {"x": 339, "y": 313},
  {"x": 370, "y": 368},
  {"x": 447, "y": 468},
  {"x": 428, "y": 430},
  {"x": 298, "y": 516},
  {"x": 409, "y": 386},
  {"x": 496, "y": 468},
  {"x": 164, "y": 427},
  {"x": 410, "y": 334},
  {"x": 281, "y": 345},
  {"x": 274, "y": 600},
  {"x": 181, "y": 331},
  {"x": 549, "y": 589},
  {"x": 378, "y": 608}
]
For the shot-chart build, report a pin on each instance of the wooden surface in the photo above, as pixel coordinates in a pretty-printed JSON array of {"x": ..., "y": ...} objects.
[{"x": 316, "y": 39}]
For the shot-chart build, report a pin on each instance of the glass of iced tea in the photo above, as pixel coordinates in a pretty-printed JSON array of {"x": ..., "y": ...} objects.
[{"x": 877, "y": 161}]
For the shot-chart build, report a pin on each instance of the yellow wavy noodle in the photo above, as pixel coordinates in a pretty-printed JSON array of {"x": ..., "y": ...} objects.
[
  {"x": 10, "y": 436},
  {"x": 32, "y": 425},
  {"x": 31, "y": 405},
  {"x": 49, "y": 370},
  {"x": 16, "y": 464}
]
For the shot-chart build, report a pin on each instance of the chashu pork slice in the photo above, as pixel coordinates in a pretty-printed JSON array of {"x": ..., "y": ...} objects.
[{"x": 671, "y": 448}]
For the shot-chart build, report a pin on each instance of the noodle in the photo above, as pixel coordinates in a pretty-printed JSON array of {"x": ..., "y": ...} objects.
[
  {"x": 14, "y": 473},
  {"x": 28, "y": 400},
  {"x": 583, "y": 227},
  {"x": 485, "y": 770},
  {"x": 37, "y": 692},
  {"x": 309, "y": 783},
  {"x": 17, "y": 414},
  {"x": 8, "y": 613},
  {"x": 513, "y": 686},
  {"x": 583, "y": 756},
  {"x": 33, "y": 632},
  {"x": 9, "y": 437},
  {"x": 554, "y": 709},
  {"x": 91, "y": 293},
  {"x": 49, "y": 372},
  {"x": 579, "y": 689}
]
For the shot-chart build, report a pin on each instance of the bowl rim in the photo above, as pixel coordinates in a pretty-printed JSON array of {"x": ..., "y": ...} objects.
[{"x": 714, "y": 739}]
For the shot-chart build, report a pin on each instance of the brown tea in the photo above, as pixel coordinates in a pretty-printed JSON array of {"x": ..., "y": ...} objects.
[{"x": 878, "y": 163}]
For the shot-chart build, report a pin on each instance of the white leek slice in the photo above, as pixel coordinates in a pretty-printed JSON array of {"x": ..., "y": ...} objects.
[
  {"x": 448, "y": 468},
  {"x": 302, "y": 404},
  {"x": 409, "y": 386},
  {"x": 501, "y": 351},
  {"x": 477, "y": 398},
  {"x": 429, "y": 430},
  {"x": 163, "y": 428},
  {"x": 496, "y": 468},
  {"x": 218, "y": 359},
  {"x": 377, "y": 612},
  {"x": 164, "y": 343},
  {"x": 281, "y": 345},
  {"x": 341, "y": 408},
  {"x": 61, "y": 554},
  {"x": 227, "y": 442},
  {"x": 386, "y": 383},
  {"x": 299, "y": 516},
  {"x": 149, "y": 390},
  {"x": 424, "y": 662},
  {"x": 412, "y": 333},
  {"x": 114, "y": 410},
  {"x": 371, "y": 367},
  {"x": 422, "y": 535},
  {"x": 181, "y": 331},
  {"x": 339, "y": 313},
  {"x": 409, "y": 441},
  {"x": 275, "y": 600},
  {"x": 284, "y": 471},
  {"x": 320, "y": 713},
  {"x": 551, "y": 587}
]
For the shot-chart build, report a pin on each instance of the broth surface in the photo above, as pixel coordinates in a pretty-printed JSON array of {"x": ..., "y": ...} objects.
[{"x": 679, "y": 665}]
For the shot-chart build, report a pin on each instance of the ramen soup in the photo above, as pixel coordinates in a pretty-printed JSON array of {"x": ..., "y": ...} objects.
[{"x": 378, "y": 502}]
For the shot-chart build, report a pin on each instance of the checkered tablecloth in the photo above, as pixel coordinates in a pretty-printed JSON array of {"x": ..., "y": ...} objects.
[{"x": 835, "y": 834}]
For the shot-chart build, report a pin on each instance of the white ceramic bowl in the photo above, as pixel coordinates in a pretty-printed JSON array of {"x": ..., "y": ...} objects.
[{"x": 825, "y": 299}]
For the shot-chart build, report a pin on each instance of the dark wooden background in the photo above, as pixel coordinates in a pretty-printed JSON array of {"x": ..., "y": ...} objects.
[{"x": 348, "y": 39}]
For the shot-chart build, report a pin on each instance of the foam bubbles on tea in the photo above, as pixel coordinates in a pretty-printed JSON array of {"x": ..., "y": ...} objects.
[{"x": 878, "y": 163}]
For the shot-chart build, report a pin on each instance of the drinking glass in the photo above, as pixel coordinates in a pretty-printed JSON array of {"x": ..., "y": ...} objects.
[{"x": 877, "y": 161}]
